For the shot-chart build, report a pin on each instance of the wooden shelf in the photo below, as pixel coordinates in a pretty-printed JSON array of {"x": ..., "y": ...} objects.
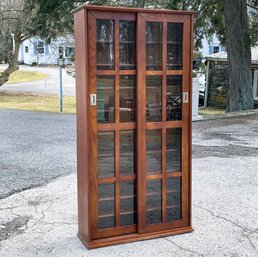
[
  {"x": 174, "y": 42},
  {"x": 154, "y": 43},
  {"x": 106, "y": 41},
  {"x": 112, "y": 214},
  {"x": 112, "y": 198},
  {"x": 127, "y": 42}
]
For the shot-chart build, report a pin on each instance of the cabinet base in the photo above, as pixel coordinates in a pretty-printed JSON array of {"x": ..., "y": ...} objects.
[{"x": 133, "y": 237}]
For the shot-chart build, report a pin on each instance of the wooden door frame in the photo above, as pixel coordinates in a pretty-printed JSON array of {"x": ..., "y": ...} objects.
[
  {"x": 184, "y": 124},
  {"x": 115, "y": 127}
]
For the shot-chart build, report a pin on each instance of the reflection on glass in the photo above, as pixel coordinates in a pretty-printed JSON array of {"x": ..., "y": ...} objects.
[
  {"x": 127, "y": 45},
  {"x": 127, "y": 98},
  {"x": 174, "y": 46},
  {"x": 105, "y": 45},
  {"x": 153, "y": 98},
  {"x": 153, "y": 204},
  {"x": 173, "y": 141},
  {"x": 127, "y": 153},
  {"x": 105, "y": 99},
  {"x": 106, "y": 150},
  {"x": 106, "y": 206},
  {"x": 153, "y": 151},
  {"x": 127, "y": 203},
  {"x": 173, "y": 193},
  {"x": 174, "y": 98},
  {"x": 153, "y": 45}
]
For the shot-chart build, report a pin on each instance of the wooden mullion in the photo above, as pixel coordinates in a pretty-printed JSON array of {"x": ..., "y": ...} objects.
[
  {"x": 164, "y": 71},
  {"x": 141, "y": 123},
  {"x": 164, "y": 117},
  {"x": 174, "y": 174},
  {"x": 117, "y": 170},
  {"x": 117, "y": 117},
  {"x": 127, "y": 72},
  {"x": 117, "y": 114},
  {"x": 164, "y": 175}
]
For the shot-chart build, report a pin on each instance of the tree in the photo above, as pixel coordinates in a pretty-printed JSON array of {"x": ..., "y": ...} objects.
[
  {"x": 227, "y": 19},
  {"x": 237, "y": 29},
  {"x": 240, "y": 94},
  {"x": 22, "y": 19}
]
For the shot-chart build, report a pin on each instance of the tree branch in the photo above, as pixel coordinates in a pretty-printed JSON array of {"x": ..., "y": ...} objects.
[{"x": 252, "y": 6}]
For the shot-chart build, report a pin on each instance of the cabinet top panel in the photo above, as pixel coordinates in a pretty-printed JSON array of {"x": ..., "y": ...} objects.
[{"x": 131, "y": 10}]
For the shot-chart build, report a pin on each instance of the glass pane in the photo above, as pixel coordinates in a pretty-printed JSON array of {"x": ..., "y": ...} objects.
[
  {"x": 154, "y": 46},
  {"x": 106, "y": 151},
  {"x": 106, "y": 99},
  {"x": 127, "y": 203},
  {"x": 173, "y": 192},
  {"x": 106, "y": 206},
  {"x": 174, "y": 46},
  {"x": 127, "y": 153},
  {"x": 105, "y": 45},
  {"x": 154, "y": 211},
  {"x": 174, "y": 98},
  {"x": 127, "y": 98},
  {"x": 173, "y": 150},
  {"x": 153, "y": 98},
  {"x": 153, "y": 151},
  {"x": 127, "y": 45}
]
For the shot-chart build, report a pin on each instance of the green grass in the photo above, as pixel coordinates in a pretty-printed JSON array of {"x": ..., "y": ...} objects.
[
  {"x": 205, "y": 111},
  {"x": 25, "y": 76},
  {"x": 36, "y": 102}
]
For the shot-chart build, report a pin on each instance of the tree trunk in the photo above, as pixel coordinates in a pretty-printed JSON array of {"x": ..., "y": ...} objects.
[
  {"x": 240, "y": 93},
  {"x": 13, "y": 63}
]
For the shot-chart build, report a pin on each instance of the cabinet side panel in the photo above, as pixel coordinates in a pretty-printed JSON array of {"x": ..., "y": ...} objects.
[
  {"x": 190, "y": 123},
  {"x": 81, "y": 57}
]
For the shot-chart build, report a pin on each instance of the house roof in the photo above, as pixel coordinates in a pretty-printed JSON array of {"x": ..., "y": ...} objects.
[{"x": 222, "y": 56}]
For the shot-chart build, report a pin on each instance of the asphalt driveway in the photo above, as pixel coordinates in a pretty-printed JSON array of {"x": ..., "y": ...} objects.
[
  {"x": 42, "y": 221},
  {"x": 35, "y": 148},
  {"x": 49, "y": 85}
]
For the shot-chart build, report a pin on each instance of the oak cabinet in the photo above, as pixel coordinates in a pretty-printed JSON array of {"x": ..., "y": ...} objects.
[{"x": 133, "y": 80}]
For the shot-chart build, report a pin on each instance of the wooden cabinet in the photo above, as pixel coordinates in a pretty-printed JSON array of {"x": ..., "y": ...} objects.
[{"x": 133, "y": 76}]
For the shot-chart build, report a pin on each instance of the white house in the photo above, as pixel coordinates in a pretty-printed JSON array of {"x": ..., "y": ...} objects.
[
  {"x": 211, "y": 47},
  {"x": 36, "y": 50}
]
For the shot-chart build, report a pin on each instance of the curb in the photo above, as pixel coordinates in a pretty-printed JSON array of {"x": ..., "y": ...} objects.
[{"x": 229, "y": 115}]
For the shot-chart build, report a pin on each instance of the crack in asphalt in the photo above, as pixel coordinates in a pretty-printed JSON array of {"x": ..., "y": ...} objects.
[
  {"x": 181, "y": 248},
  {"x": 242, "y": 228}
]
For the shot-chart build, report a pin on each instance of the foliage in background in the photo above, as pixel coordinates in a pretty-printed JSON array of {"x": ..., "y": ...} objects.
[{"x": 48, "y": 19}]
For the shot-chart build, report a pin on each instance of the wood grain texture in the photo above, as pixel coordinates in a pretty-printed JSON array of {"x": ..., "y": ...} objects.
[
  {"x": 81, "y": 52},
  {"x": 88, "y": 128},
  {"x": 141, "y": 126},
  {"x": 131, "y": 10}
]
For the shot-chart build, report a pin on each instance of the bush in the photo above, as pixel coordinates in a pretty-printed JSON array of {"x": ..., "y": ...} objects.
[{"x": 34, "y": 64}]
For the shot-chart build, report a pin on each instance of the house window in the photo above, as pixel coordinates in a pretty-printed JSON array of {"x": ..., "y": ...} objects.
[
  {"x": 69, "y": 52},
  {"x": 41, "y": 48},
  {"x": 61, "y": 51},
  {"x": 255, "y": 87},
  {"x": 215, "y": 49},
  {"x": 26, "y": 49}
]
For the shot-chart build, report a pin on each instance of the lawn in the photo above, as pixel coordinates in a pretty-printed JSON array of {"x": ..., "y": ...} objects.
[
  {"x": 25, "y": 76},
  {"x": 205, "y": 111},
  {"x": 36, "y": 102}
]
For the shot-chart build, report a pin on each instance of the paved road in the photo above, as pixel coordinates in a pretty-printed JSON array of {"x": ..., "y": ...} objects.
[
  {"x": 35, "y": 148},
  {"x": 50, "y": 85},
  {"x": 38, "y": 146},
  {"x": 42, "y": 221}
]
